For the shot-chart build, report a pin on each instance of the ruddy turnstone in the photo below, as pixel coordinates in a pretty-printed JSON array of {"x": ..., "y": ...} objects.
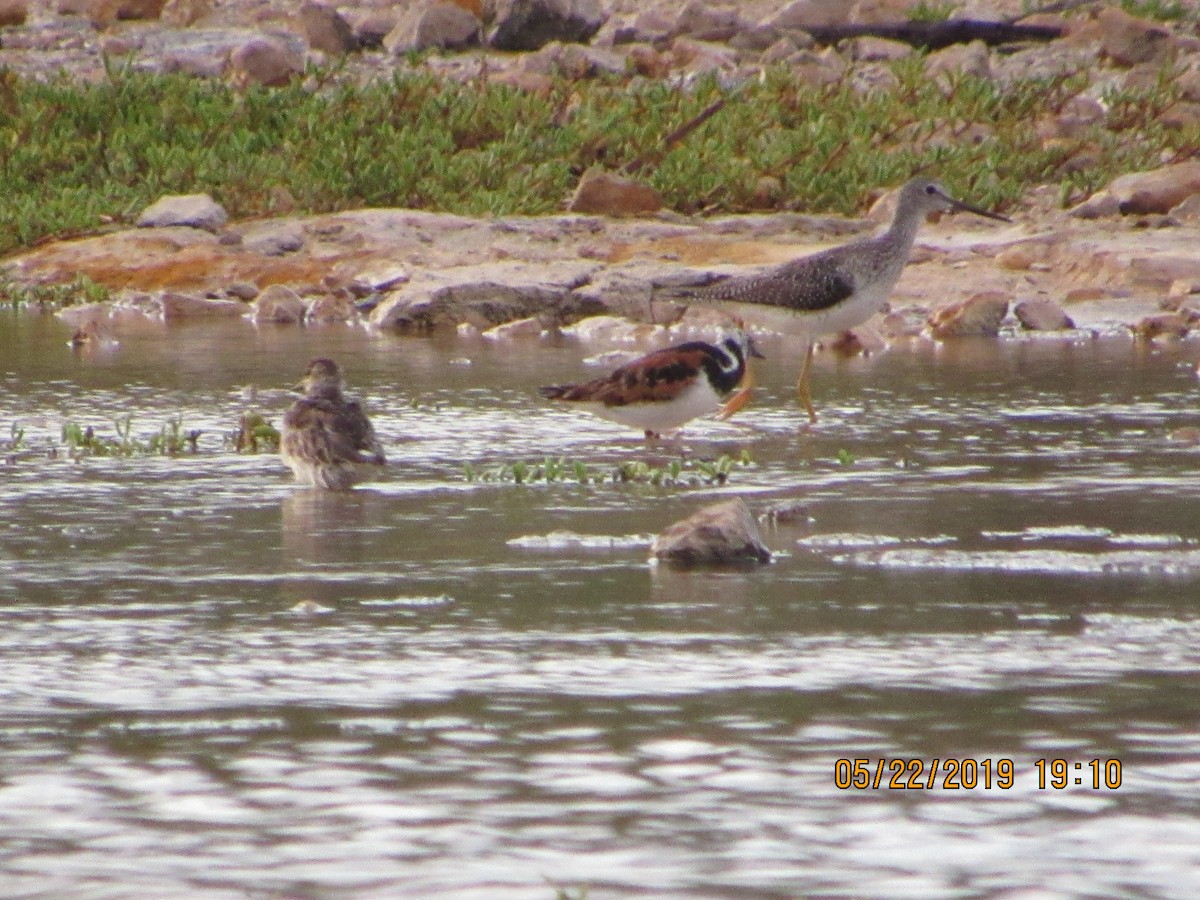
[
  {"x": 667, "y": 388},
  {"x": 838, "y": 288},
  {"x": 327, "y": 440}
]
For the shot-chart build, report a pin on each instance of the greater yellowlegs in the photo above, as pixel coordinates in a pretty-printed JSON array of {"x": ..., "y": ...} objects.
[
  {"x": 327, "y": 439},
  {"x": 664, "y": 390},
  {"x": 838, "y": 288}
]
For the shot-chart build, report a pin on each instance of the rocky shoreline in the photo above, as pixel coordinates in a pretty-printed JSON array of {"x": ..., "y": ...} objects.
[
  {"x": 506, "y": 277},
  {"x": 1123, "y": 258}
]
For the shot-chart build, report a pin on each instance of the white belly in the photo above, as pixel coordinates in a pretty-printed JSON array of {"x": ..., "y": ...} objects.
[
  {"x": 663, "y": 415},
  {"x": 810, "y": 325}
]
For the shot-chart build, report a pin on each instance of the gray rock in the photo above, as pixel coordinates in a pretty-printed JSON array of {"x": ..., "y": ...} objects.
[
  {"x": 608, "y": 194},
  {"x": 979, "y": 314},
  {"x": 1156, "y": 191},
  {"x": 433, "y": 24},
  {"x": 278, "y": 303},
  {"x": 196, "y": 210},
  {"x": 381, "y": 277},
  {"x": 1128, "y": 40},
  {"x": 806, "y": 14},
  {"x": 242, "y": 290},
  {"x": 269, "y": 61},
  {"x": 1042, "y": 314},
  {"x": 172, "y": 306},
  {"x": 1100, "y": 205},
  {"x": 331, "y": 309},
  {"x": 183, "y": 13},
  {"x": 326, "y": 30},
  {"x": 274, "y": 238},
  {"x": 531, "y": 24},
  {"x": 707, "y": 21},
  {"x": 488, "y": 295},
  {"x": 721, "y": 533},
  {"x": 13, "y": 12}
]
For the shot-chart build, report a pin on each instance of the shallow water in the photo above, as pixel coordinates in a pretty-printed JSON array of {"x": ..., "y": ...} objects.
[{"x": 1007, "y": 569}]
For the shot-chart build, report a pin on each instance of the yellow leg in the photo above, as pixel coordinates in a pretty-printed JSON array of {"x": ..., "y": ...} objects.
[
  {"x": 740, "y": 397},
  {"x": 802, "y": 390}
]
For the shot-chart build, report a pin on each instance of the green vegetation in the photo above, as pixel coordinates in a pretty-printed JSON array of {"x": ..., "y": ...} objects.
[
  {"x": 170, "y": 440},
  {"x": 254, "y": 435},
  {"x": 550, "y": 470},
  {"x": 75, "y": 157},
  {"x": 1161, "y": 10},
  {"x": 79, "y": 289},
  {"x": 931, "y": 11}
]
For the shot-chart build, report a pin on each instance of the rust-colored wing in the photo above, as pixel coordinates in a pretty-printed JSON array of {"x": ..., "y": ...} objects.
[{"x": 656, "y": 377}]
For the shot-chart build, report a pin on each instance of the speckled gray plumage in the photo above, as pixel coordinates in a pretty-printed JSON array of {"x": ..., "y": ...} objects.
[{"x": 861, "y": 273}]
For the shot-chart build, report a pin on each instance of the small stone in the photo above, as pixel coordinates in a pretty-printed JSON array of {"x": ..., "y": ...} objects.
[
  {"x": 1100, "y": 205},
  {"x": 379, "y": 279},
  {"x": 278, "y": 303},
  {"x": 603, "y": 193},
  {"x": 979, "y": 314},
  {"x": 1021, "y": 257},
  {"x": 1042, "y": 314},
  {"x": 1085, "y": 295},
  {"x": 531, "y": 24},
  {"x": 873, "y": 49},
  {"x": 905, "y": 322},
  {"x": 1183, "y": 287},
  {"x": 804, "y": 15},
  {"x": 195, "y": 210},
  {"x": 171, "y": 306},
  {"x": 721, "y": 533},
  {"x": 184, "y": 13},
  {"x": 1169, "y": 325},
  {"x": 13, "y": 13},
  {"x": 139, "y": 9},
  {"x": 702, "y": 56},
  {"x": 268, "y": 61},
  {"x": 863, "y": 340},
  {"x": 530, "y": 327},
  {"x": 971, "y": 59},
  {"x": 787, "y": 512},
  {"x": 433, "y": 24},
  {"x": 330, "y": 310},
  {"x": 1188, "y": 210},
  {"x": 817, "y": 69},
  {"x": 768, "y": 190},
  {"x": 242, "y": 290},
  {"x": 707, "y": 22},
  {"x": 371, "y": 26},
  {"x": 1156, "y": 191},
  {"x": 1128, "y": 40},
  {"x": 326, "y": 30},
  {"x": 1187, "y": 435},
  {"x": 274, "y": 238}
]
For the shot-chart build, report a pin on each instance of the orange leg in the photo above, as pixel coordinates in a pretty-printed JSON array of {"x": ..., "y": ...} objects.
[
  {"x": 740, "y": 398},
  {"x": 802, "y": 389}
]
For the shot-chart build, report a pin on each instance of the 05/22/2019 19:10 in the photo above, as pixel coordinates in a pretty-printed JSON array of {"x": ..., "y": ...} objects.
[{"x": 969, "y": 774}]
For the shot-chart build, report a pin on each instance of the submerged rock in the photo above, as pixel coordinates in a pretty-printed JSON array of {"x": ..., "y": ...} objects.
[
  {"x": 721, "y": 533},
  {"x": 1042, "y": 314},
  {"x": 278, "y": 303},
  {"x": 979, "y": 314}
]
